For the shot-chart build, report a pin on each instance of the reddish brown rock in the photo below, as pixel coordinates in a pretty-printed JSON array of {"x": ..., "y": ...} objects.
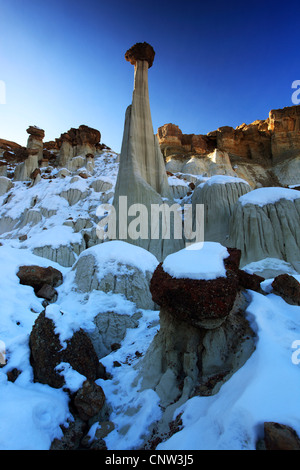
[
  {"x": 284, "y": 125},
  {"x": 233, "y": 260},
  {"x": 72, "y": 435},
  {"x": 250, "y": 281},
  {"x": 83, "y": 175},
  {"x": 51, "y": 145},
  {"x": 46, "y": 353},
  {"x": 280, "y": 437},
  {"x": 35, "y": 173},
  {"x": 171, "y": 136},
  {"x": 251, "y": 141},
  {"x": 140, "y": 51},
  {"x": 89, "y": 400},
  {"x": 288, "y": 288},
  {"x": 47, "y": 292},
  {"x": 82, "y": 135},
  {"x": 9, "y": 145},
  {"x": 36, "y": 276},
  {"x": 38, "y": 133},
  {"x": 201, "y": 303}
]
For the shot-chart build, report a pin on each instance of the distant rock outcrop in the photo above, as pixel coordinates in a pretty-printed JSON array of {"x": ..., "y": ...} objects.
[
  {"x": 270, "y": 147},
  {"x": 35, "y": 140},
  {"x": 288, "y": 288},
  {"x": 284, "y": 126},
  {"x": 77, "y": 142}
]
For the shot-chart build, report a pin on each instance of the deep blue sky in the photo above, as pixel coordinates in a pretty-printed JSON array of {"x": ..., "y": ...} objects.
[{"x": 217, "y": 63}]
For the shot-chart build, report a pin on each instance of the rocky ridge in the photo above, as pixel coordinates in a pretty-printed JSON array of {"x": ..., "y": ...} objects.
[{"x": 264, "y": 152}]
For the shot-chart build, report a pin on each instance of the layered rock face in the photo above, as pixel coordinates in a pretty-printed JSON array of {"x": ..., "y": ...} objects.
[
  {"x": 284, "y": 125},
  {"x": 264, "y": 152},
  {"x": 102, "y": 268},
  {"x": 247, "y": 141},
  {"x": 265, "y": 224},
  {"x": 142, "y": 177},
  {"x": 219, "y": 196},
  {"x": 77, "y": 142},
  {"x": 32, "y": 155}
]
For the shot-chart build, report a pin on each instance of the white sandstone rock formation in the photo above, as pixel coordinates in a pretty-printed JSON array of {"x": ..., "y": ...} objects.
[
  {"x": 5, "y": 185},
  {"x": 118, "y": 267},
  {"x": 24, "y": 170},
  {"x": 265, "y": 224},
  {"x": 81, "y": 142},
  {"x": 193, "y": 353},
  {"x": 288, "y": 172},
  {"x": 219, "y": 195},
  {"x": 110, "y": 329},
  {"x": 142, "y": 175}
]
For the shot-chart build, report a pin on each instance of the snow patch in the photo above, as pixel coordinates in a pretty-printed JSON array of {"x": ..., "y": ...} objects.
[
  {"x": 109, "y": 254},
  {"x": 197, "y": 261},
  {"x": 223, "y": 179}
]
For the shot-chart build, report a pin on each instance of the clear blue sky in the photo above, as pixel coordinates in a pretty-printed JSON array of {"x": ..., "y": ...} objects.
[{"x": 217, "y": 63}]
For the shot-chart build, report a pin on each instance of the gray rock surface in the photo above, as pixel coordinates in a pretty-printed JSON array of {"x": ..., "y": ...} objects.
[
  {"x": 219, "y": 200},
  {"x": 268, "y": 231}
]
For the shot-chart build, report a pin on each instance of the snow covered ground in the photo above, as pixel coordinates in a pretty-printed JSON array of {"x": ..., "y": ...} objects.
[{"x": 266, "y": 388}]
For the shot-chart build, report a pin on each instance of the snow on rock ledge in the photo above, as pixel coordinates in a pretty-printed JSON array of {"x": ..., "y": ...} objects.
[
  {"x": 59, "y": 244},
  {"x": 117, "y": 267},
  {"x": 262, "y": 196}
]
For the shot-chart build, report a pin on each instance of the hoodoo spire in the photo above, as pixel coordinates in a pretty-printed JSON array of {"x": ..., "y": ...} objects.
[{"x": 142, "y": 175}]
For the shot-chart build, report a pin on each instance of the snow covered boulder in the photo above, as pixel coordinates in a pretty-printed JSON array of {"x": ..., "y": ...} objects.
[
  {"x": 265, "y": 224},
  {"x": 117, "y": 267},
  {"x": 194, "y": 285},
  {"x": 48, "y": 352},
  {"x": 288, "y": 288},
  {"x": 219, "y": 195},
  {"x": 59, "y": 243}
]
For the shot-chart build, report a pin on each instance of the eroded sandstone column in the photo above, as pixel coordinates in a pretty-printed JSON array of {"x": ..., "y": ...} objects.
[
  {"x": 142, "y": 176},
  {"x": 35, "y": 140}
]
